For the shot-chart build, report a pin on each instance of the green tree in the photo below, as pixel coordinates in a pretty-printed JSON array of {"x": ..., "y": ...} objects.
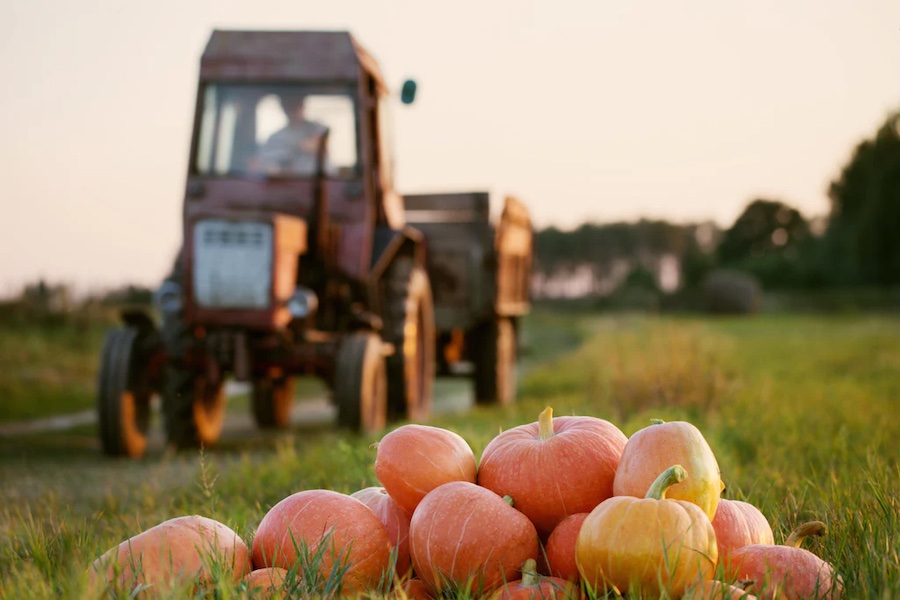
[
  {"x": 764, "y": 241},
  {"x": 696, "y": 260},
  {"x": 863, "y": 244},
  {"x": 765, "y": 228}
]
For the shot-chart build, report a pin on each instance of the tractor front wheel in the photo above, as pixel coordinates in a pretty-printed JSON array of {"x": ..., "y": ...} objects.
[
  {"x": 360, "y": 383},
  {"x": 272, "y": 400},
  {"x": 194, "y": 408},
  {"x": 124, "y": 391}
]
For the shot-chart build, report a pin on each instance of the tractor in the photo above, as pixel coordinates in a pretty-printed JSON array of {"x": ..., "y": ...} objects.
[{"x": 296, "y": 257}]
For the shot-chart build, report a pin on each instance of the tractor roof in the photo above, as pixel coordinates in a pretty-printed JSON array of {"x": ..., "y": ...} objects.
[{"x": 319, "y": 56}]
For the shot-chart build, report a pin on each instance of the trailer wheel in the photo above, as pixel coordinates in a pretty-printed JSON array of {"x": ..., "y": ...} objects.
[
  {"x": 360, "y": 383},
  {"x": 124, "y": 392},
  {"x": 272, "y": 400},
  {"x": 409, "y": 325},
  {"x": 494, "y": 354},
  {"x": 194, "y": 408}
]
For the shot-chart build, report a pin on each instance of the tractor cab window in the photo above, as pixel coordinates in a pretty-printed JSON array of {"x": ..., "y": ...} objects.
[{"x": 276, "y": 130}]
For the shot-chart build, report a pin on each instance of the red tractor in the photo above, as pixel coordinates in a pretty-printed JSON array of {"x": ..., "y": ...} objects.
[{"x": 296, "y": 258}]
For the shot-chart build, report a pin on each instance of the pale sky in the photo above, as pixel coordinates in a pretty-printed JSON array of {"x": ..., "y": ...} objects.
[{"x": 590, "y": 110}]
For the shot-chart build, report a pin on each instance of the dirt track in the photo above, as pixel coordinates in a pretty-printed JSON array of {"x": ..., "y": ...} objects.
[
  {"x": 450, "y": 397},
  {"x": 59, "y": 459}
]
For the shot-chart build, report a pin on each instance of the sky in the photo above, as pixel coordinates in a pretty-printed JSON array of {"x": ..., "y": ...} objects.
[{"x": 586, "y": 110}]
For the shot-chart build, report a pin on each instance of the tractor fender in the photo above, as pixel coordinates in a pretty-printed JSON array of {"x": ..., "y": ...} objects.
[
  {"x": 391, "y": 243},
  {"x": 139, "y": 319},
  {"x": 149, "y": 349}
]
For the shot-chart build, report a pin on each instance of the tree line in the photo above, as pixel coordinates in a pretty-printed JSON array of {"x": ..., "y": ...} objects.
[{"x": 857, "y": 244}]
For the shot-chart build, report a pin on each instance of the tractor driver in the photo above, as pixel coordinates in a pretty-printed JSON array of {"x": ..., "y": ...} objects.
[{"x": 292, "y": 149}]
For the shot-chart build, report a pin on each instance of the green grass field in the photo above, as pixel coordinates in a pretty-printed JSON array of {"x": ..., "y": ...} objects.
[
  {"x": 801, "y": 411},
  {"x": 48, "y": 368}
]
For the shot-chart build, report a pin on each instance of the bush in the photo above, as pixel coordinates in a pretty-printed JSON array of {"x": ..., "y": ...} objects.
[{"x": 732, "y": 292}]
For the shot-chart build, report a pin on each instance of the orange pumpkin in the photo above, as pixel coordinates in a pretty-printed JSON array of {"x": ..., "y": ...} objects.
[
  {"x": 412, "y": 460},
  {"x": 465, "y": 537},
  {"x": 411, "y": 589},
  {"x": 334, "y": 528},
  {"x": 177, "y": 551},
  {"x": 648, "y": 544},
  {"x": 786, "y": 572},
  {"x": 266, "y": 583},
  {"x": 738, "y": 524},
  {"x": 395, "y": 520},
  {"x": 560, "y": 548},
  {"x": 553, "y": 467},
  {"x": 536, "y": 587},
  {"x": 717, "y": 590},
  {"x": 652, "y": 449}
]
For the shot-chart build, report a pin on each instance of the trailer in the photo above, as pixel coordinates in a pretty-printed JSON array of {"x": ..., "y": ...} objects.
[{"x": 480, "y": 275}]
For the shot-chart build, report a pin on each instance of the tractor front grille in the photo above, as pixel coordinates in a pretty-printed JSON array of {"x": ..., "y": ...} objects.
[{"x": 232, "y": 264}]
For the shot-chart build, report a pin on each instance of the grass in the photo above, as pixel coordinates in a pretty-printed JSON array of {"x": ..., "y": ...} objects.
[
  {"x": 800, "y": 411},
  {"x": 49, "y": 367}
]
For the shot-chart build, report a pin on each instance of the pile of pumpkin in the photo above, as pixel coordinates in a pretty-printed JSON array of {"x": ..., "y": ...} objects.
[{"x": 554, "y": 509}]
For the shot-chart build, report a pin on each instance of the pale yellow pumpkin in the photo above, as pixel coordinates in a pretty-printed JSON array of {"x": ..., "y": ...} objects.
[{"x": 652, "y": 449}]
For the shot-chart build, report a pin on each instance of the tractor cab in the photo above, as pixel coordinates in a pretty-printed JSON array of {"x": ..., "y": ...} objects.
[{"x": 277, "y": 130}]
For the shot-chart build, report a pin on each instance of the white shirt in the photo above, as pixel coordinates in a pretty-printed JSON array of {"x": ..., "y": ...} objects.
[{"x": 293, "y": 149}]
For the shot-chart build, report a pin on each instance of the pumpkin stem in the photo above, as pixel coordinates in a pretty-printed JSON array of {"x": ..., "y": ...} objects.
[
  {"x": 545, "y": 423},
  {"x": 656, "y": 421},
  {"x": 529, "y": 572},
  {"x": 803, "y": 531},
  {"x": 508, "y": 499},
  {"x": 668, "y": 478}
]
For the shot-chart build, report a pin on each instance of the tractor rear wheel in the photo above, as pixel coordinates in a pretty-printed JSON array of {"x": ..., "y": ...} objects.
[
  {"x": 360, "y": 383},
  {"x": 409, "y": 326},
  {"x": 272, "y": 400},
  {"x": 124, "y": 392},
  {"x": 494, "y": 355},
  {"x": 194, "y": 408}
]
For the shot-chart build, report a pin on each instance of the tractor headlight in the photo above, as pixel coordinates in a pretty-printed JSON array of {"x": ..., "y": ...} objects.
[
  {"x": 169, "y": 298},
  {"x": 302, "y": 303}
]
